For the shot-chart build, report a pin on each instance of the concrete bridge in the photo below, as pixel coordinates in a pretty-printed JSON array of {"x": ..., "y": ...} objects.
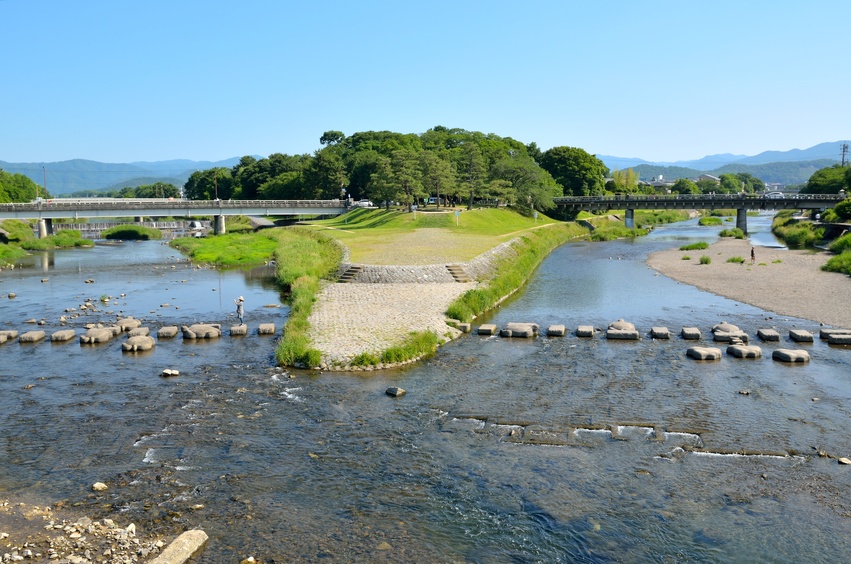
[
  {"x": 76, "y": 208},
  {"x": 740, "y": 202}
]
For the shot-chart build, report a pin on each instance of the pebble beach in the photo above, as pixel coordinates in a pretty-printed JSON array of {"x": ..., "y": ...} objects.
[{"x": 784, "y": 281}]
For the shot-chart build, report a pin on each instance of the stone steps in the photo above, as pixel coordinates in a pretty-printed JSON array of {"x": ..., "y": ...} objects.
[
  {"x": 458, "y": 273},
  {"x": 350, "y": 274}
]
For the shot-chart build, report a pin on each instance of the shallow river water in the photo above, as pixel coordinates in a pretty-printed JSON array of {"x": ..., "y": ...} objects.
[{"x": 543, "y": 450}]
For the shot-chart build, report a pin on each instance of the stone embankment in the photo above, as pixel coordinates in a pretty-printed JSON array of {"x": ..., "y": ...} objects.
[{"x": 382, "y": 304}]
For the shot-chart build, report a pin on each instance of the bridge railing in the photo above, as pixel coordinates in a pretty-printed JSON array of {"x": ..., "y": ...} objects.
[
  {"x": 164, "y": 203},
  {"x": 696, "y": 197}
]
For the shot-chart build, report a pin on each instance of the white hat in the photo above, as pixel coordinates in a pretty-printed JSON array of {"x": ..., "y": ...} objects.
[{"x": 241, "y": 299}]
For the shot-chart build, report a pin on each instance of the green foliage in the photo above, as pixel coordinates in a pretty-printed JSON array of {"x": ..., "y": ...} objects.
[
  {"x": 734, "y": 232},
  {"x": 415, "y": 345},
  {"x": 231, "y": 249},
  {"x": 67, "y": 238},
  {"x": 705, "y": 259},
  {"x": 738, "y": 260},
  {"x": 700, "y": 245},
  {"x": 841, "y": 244},
  {"x": 843, "y": 210},
  {"x": 10, "y": 253},
  {"x": 686, "y": 257},
  {"x": 722, "y": 213},
  {"x": 210, "y": 184},
  {"x": 685, "y": 186},
  {"x": 18, "y": 230},
  {"x": 18, "y": 188},
  {"x": 366, "y": 359},
  {"x": 710, "y": 221},
  {"x": 840, "y": 263},
  {"x": 660, "y": 217},
  {"x": 532, "y": 248},
  {"x": 238, "y": 224},
  {"x": 609, "y": 231},
  {"x": 793, "y": 232},
  {"x": 578, "y": 172},
  {"x": 130, "y": 232},
  {"x": 829, "y": 180}
]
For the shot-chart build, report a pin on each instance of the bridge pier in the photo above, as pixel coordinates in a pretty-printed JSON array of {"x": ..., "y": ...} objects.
[
  {"x": 629, "y": 220},
  {"x": 742, "y": 220},
  {"x": 45, "y": 227},
  {"x": 219, "y": 224}
]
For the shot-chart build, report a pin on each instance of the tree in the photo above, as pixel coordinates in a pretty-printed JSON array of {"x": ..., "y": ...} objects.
[
  {"x": 707, "y": 186},
  {"x": 624, "y": 181},
  {"x": 331, "y": 137},
  {"x": 579, "y": 173},
  {"x": 750, "y": 182},
  {"x": 730, "y": 184},
  {"x": 531, "y": 187},
  {"x": 470, "y": 167},
  {"x": 156, "y": 190},
  {"x": 382, "y": 186},
  {"x": 407, "y": 176},
  {"x": 325, "y": 175},
  {"x": 437, "y": 173},
  {"x": 209, "y": 184},
  {"x": 19, "y": 188},
  {"x": 685, "y": 186},
  {"x": 828, "y": 180}
]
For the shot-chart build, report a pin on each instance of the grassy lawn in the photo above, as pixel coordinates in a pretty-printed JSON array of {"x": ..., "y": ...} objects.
[{"x": 401, "y": 238}]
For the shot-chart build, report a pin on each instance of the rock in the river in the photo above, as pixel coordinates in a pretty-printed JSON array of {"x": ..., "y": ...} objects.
[
  {"x": 99, "y": 487},
  {"x": 395, "y": 392},
  {"x": 128, "y": 323},
  {"x": 138, "y": 343},
  {"x": 790, "y": 355},
  {"x": 167, "y": 332},
  {"x": 744, "y": 351},
  {"x": 690, "y": 333},
  {"x": 585, "y": 331},
  {"x": 266, "y": 329},
  {"x": 523, "y": 330},
  {"x": 487, "y": 329},
  {"x": 622, "y": 330},
  {"x": 139, "y": 332},
  {"x": 63, "y": 335},
  {"x": 801, "y": 336},
  {"x": 704, "y": 353},
  {"x": 32, "y": 337},
  {"x": 768, "y": 335},
  {"x": 202, "y": 331},
  {"x": 96, "y": 335}
]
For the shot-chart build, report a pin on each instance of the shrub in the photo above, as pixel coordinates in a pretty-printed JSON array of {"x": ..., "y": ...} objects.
[
  {"x": 843, "y": 209},
  {"x": 686, "y": 257},
  {"x": 709, "y": 221},
  {"x": 66, "y": 238},
  {"x": 841, "y": 244},
  {"x": 839, "y": 263},
  {"x": 734, "y": 232},
  {"x": 699, "y": 246},
  {"x": 132, "y": 232},
  {"x": 793, "y": 232},
  {"x": 738, "y": 260},
  {"x": 705, "y": 259}
]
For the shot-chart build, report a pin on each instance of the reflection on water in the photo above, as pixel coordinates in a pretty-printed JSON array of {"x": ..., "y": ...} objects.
[{"x": 543, "y": 450}]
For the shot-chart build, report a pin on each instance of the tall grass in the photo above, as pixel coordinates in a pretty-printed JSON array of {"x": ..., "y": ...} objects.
[
  {"x": 839, "y": 263},
  {"x": 793, "y": 232},
  {"x": 231, "y": 249},
  {"x": 304, "y": 257},
  {"x": 67, "y": 238}
]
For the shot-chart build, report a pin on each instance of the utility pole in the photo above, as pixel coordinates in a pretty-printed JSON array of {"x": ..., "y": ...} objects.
[{"x": 844, "y": 152}]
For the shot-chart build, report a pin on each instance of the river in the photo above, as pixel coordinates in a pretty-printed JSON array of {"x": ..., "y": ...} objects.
[{"x": 503, "y": 450}]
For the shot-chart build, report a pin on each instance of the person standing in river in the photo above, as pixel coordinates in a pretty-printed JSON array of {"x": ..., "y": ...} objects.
[{"x": 240, "y": 309}]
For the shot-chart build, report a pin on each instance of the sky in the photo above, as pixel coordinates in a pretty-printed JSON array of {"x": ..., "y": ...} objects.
[{"x": 666, "y": 80}]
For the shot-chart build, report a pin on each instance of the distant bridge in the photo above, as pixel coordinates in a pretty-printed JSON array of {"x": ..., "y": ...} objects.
[
  {"x": 76, "y": 208},
  {"x": 740, "y": 202}
]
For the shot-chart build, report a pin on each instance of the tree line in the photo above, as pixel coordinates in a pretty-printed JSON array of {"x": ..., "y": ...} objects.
[
  {"x": 453, "y": 165},
  {"x": 19, "y": 188}
]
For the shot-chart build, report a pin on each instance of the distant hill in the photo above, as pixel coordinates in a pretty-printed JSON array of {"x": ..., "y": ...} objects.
[
  {"x": 784, "y": 167},
  {"x": 64, "y": 177}
]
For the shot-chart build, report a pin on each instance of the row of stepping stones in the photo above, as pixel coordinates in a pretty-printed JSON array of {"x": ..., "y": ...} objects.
[
  {"x": 721, "y": 332},
  {"x": 138, "y": 337}
]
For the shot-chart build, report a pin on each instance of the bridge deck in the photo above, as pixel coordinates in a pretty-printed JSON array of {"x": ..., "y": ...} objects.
[{"x": 699, "y": 201}]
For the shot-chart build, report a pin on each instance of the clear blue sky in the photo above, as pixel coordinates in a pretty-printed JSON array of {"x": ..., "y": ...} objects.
[{"x": 145, "y": 80}]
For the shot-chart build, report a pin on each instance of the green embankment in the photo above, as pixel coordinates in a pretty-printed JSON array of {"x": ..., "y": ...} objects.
[
  {"x": 131, "y": 232},
  {"x": 232, "y": 249}
]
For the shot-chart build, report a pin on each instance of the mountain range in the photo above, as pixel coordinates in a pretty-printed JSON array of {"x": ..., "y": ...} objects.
[{"x": 781, "y": 167}]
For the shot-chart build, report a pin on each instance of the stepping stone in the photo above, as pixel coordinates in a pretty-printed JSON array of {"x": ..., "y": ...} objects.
[
  {"x": 704, "y": 353},
  {"x": 128, "y": 323},
  {"x": 556, "y": 331},
  {"x": 801, "y": 336},
  {"x": 266, "y": 329},
  {"x": 96, "y": 335},
  {"x": 826, "y": 333},
  {"x": 464, "y": 327},
  {"x": 167, "y": 332},
  {"x": 622, "y": 330},
  {"x": 585, "y": 331},
  {"x": 10, "y": 334},
  {"x": 790, "y": 355},
  {"x": 839, "y": 339},
  {"x": 138, "y": 343},
  {"x": 690, "y": 333},
  {"x": 202, "y": 331},
  {"x": 487, "y": 329},
  {"x": 768, "y": 335},
  {"x": 521, "y": 330},
  {"x": 139, "y": 332},
  {"x": 729, "y": 336},
  {"x": 725, "y": 328},
  {"x": 660, "y": 333},
  {"x": 32, "y": 337},
  {"x": 744, "y": 351},
  {"x": 239, "y": 330},
  {"x": 63, "y": 335}
]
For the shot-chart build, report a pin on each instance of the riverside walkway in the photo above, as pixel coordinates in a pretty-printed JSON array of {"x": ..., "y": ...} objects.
[{"x": 740, "y": 202}]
